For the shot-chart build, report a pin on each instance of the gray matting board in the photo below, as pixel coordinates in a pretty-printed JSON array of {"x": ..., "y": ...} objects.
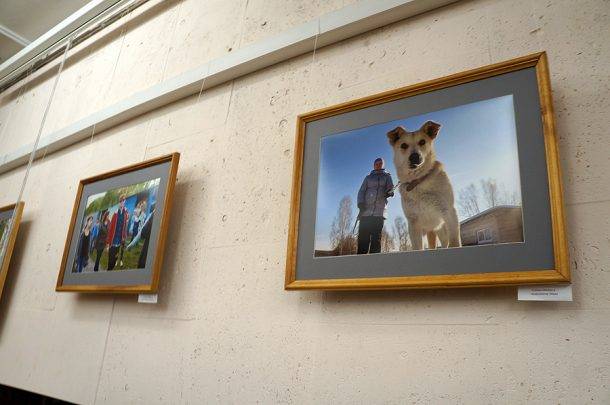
[
  {"x": 535, "y": 253},
  {"x": 120, "y": 277}
]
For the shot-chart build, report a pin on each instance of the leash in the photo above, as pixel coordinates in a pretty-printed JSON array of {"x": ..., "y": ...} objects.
[{"x": 355, "y": 223}]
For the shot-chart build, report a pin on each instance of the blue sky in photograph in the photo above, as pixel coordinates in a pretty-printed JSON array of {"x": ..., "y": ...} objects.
[
  {"x": 130, "y": 201},
  {"x": 477, "y": 141}
]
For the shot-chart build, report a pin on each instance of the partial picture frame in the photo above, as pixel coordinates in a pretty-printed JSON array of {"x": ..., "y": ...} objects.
[
  {"x": 118, "y": 229},
  {"x": 453, "y": 182},
  {"x": 10, "y": 219}
]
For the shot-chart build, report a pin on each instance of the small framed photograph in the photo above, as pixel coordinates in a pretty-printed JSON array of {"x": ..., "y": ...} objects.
[
  {"x": 118, "y": 229},
  {"x": 10, "y": 218},
  {"x": 453, "y": 182}
]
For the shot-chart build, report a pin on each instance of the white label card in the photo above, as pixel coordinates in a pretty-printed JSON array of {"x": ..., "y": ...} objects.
[
  {"x": 147, "y": 298},
  {"x": 545, "y": 293}
]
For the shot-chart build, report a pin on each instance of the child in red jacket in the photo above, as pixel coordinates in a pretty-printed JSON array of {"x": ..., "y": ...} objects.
[{"x": 117, "y": 232}]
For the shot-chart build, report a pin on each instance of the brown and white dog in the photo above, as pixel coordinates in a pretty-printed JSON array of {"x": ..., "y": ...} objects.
[{"x": 425, "y": 189}]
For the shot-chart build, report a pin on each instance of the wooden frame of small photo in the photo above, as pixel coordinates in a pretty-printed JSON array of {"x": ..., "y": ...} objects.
[
  {"x": 10, "y": 219},
  {"x": 118, "y": 229}
]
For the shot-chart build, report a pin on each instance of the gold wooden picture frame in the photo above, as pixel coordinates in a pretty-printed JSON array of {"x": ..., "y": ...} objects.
[
  {"x": 148, "y": 187},
  {"x": 534, "y": 110},
  {"x": 8, "y": 236}
]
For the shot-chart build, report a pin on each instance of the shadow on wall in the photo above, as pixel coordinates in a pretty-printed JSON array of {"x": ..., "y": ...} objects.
[
  {"x": 181, "y": 192},
  {"x": 490, "y": 300},
  {"x": 10, "y": 395},
  {"x": 172, "y": 251}
]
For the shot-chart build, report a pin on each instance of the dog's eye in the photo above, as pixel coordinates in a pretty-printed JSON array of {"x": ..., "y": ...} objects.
[
  {"x": 422, "y": 142},
  {"x": 404, "y": 146}
]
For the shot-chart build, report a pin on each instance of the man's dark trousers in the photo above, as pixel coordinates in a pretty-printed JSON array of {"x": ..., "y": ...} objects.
[
  {"x": 369, "y": 234},
  {"x": 112, "y": 254}
]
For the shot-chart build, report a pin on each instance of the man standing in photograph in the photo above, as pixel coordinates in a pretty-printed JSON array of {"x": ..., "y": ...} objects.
[
  {"x": 373, "y": 196},
  {"x": 144, "y": 234},
  {"x": 117, "y": 232}
]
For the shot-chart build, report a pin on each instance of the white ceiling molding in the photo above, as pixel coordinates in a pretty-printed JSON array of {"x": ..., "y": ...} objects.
[
  {"x": 14, "y": 36},
  {"x": 88, "y": 28},
  {"x": 329, "y": 28},
  {"x": 55, "y": 35}
]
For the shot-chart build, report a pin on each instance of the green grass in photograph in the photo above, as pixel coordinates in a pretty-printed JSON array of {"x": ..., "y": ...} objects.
[{"x": 130, "y": 259}]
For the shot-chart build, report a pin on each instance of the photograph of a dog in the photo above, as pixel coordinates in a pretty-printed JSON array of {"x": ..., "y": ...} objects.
[{"x": 443, "y": 179}]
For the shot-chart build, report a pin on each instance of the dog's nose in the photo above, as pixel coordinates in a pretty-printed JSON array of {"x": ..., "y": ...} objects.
[{"x": 414, "y": 158}]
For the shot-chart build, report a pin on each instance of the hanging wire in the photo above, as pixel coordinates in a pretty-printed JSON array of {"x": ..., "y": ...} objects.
[
  {"x": 35, "y": 148},
  {"x": 163, "y": 71},
  {"x": 315, "y": 45},
  {"x": 122, "y": 35},
  {"x": 202, "y": 84},
  {"x": 116, "y": 63},
  {"x": 171, "y": 37},
  {"x": 92, "y": 134},
  {"x": 8, "y": 230},
  {"x": 22, "y": 90},
  {"x": 44, "y": 119},
  {"x": 312, "y": 64},
  {"x": 149, "y": 123}
]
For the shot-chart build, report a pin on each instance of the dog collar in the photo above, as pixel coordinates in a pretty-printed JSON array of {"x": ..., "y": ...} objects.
[{"x": 409, "y": 186}]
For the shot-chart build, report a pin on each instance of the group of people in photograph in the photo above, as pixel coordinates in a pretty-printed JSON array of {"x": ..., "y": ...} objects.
[{"x": 114, "y": 233}]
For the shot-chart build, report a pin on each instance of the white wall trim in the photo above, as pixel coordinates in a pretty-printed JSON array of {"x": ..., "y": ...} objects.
[{"x": 329, "y": 28}]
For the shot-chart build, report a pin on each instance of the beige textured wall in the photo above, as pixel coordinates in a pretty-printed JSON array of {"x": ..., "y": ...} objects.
[{"x": 224, "y": 330}]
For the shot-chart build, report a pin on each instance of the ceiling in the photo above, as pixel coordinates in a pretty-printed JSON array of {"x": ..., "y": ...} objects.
[{"x": 22, "y": 21}]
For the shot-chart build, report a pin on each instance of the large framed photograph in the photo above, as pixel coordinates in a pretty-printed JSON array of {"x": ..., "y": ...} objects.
[
  {"x": 118, "y": 229},
  {"x": 10, "y": 218},
  {"x": 454, "y": 182}
]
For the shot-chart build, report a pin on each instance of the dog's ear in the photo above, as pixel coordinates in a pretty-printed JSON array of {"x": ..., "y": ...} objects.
[
  {"x": 431, "y": 129},
  {"x": 395, "y": 134}
]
